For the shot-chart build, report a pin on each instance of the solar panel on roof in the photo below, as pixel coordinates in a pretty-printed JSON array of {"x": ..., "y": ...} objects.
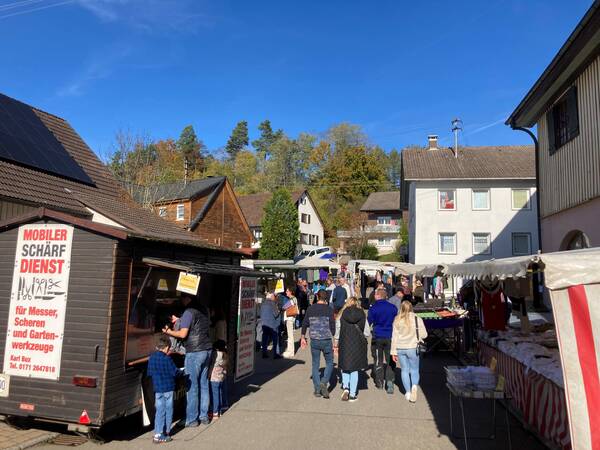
[{"x": 25, "y": 140}]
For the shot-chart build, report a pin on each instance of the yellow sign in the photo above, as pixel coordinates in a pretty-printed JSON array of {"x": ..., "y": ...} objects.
[
  {"x": 279, "y": 287},
  {"x": 188, "y": 283},
  {"x": 162, "y": 285},
  {"x": 493, "y": 363}
]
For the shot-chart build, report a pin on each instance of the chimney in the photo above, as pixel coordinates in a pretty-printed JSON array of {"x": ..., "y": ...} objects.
[{"x": 433, "y": 142}]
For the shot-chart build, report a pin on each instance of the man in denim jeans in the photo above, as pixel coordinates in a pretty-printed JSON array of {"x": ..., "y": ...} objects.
[
  {"x": 195, "y": 324},
  {"x": 319, "y": 318}
]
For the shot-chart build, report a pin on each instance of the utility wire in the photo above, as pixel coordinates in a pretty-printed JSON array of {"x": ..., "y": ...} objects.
[{"x": 27, "y": 11}]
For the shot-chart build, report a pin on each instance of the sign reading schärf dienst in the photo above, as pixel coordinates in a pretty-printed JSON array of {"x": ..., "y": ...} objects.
[{"x": 38, "y": 301}]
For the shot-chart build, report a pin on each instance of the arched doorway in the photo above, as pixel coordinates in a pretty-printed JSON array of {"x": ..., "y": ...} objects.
[{"x": 575, "y": 240}]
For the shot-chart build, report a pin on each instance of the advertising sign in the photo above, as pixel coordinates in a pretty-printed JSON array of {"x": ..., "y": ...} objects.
[
  {"x": 244, "y": 361},
  {"x": 188, "y": 283},
  {"x": 38, "y": 301}
]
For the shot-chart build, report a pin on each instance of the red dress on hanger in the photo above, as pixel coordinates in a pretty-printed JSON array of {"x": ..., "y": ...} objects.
[{"x": 493, "y": 308}]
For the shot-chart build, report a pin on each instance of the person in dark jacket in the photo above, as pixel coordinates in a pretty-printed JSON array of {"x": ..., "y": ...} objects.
[
  {"x": 319, "y": 318},
  {"x": 351, "y": 347},
  {"x": 381, "y": 317},
  {"x": 195, "y": 326},
  {"x": 339, "y": 296}
]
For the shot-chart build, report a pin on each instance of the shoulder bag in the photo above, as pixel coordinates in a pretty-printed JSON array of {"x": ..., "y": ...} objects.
[{"x": 421, "y": 347}]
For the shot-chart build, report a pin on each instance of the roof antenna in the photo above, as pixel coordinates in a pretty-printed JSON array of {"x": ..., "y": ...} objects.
[{"x": 457, "y": 125}]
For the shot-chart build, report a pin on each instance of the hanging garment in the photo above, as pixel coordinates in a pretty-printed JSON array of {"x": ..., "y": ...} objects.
[
  {"x": 493, "y": 308},
  {"x": 439, "y": 286}
]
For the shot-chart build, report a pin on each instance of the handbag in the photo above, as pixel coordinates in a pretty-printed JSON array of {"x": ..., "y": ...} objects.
[
  {"x": 292, "y": 310},
  {"x": 421, "y": 347}
]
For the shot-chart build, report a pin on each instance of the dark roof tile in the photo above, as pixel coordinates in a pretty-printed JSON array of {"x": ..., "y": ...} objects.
[{"x": 500, "y": 162}]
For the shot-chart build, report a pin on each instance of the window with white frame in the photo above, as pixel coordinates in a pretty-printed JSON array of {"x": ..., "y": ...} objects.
[
  {"x": 257, "y": 234},
  {"x": 305, "y": 239},
  {"x": 384, "y": 242},
  {"x": 180, "y": 211},
  {"x": 521, "y": 199},
  {"x": 238, "y": 245},
  {"x": 314, "y": 239},
  {"x": 162, "y": 211},
  {"x": 305, "y": 218},
  {"x": 481, "y": 199},
  {"x": 521, "y": 244},
  {"x": 447, "y": 243},
  {"x": 482, "y": 243},
  {"x": 384, "y": 220},
  {"x": 447, "y": 199}
]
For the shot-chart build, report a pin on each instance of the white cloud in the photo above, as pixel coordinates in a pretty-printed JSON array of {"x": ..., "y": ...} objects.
[
  {"x": 151, "y": 15},
  {"x": 100, "y": 67}
]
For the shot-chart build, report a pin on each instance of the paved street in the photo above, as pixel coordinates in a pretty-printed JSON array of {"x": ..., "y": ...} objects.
[{"x": 284, "y": 414}]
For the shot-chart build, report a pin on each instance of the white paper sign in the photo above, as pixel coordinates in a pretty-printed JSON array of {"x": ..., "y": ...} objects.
[
  {"x": 38, "y": 301},
  {"x": 188, "y": 283},
  {"x": 244, "y": 361}
]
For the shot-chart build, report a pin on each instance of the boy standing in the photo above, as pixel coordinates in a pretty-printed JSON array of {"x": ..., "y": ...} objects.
[{"x": 163, "y": 371}]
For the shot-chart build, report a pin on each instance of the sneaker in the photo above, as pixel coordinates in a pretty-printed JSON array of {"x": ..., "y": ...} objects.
[
  {"x": 156, "y": 438},
  {"x": 317, "y": 394},
  {"x": 353, "y": 398},
  {"x": 407, "y": 396},
  {"x": 324, "y": 390},
  {"x": 192, "y": 424},
  {"x": 413, "y": 394},
  {"x": 165, "y": 438},
  {"x": 345, "y": 395},
  {"x": 205, "y": 421},
  {"x": 389, "y": 387},
  {"x": 378, "y": 385}
]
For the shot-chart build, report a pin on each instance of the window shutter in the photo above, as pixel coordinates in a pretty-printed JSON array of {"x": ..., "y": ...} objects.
[
  {"x": 572, "y": 112},
  {"x": 550, "y": 127}
]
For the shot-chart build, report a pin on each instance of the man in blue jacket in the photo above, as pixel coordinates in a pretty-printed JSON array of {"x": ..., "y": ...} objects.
[
  {"x": 381, "y": 317},
  {"x": 339, "y": 296}
]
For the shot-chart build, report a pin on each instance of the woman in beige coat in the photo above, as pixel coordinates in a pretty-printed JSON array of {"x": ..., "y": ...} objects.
[{"x": 405, "y": 347}]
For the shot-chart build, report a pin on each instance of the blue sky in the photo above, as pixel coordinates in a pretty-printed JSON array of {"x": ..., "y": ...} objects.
[{"x": 401, "y": 69}]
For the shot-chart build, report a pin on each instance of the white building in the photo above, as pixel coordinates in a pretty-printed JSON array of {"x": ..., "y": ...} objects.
[
  {"x": 479, "y": 205},
  {"x": 312, "y": 231}
]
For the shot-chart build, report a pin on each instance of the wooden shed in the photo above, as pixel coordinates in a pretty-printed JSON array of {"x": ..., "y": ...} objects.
[{"x": 75, "y": 352}]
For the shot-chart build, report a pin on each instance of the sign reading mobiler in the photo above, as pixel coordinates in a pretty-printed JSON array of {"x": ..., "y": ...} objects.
[{"x": 38, "y": 301}]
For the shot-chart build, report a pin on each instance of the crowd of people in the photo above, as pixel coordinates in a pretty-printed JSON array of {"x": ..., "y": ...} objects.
[{"x": 338, "y": 324}]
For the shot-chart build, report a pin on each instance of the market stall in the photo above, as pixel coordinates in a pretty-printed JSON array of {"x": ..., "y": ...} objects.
[
  {"x": 82, "y": 304},
  {"x": 546, "y": 402}
]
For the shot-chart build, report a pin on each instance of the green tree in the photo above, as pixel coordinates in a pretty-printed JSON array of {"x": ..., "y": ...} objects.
[
  {"x": 394, "y": 167},
  {"x": 191, "y": 148},
  {"x": 267, "y": 138},
  {"x": 280, "y": 227},
  {"x": 363, "y": 250},
  {"x": 245, "y": 172},
  {"x": 289, "y": 161},
  {"x": 238, "y": 139}
]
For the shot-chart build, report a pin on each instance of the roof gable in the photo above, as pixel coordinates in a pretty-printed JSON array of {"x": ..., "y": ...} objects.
[
  {"x": 253, "y": 205},
  {"x": 493, "y": 162},
  {"x": 180, "y": 190},
  {"x": 382, "y": 201}
]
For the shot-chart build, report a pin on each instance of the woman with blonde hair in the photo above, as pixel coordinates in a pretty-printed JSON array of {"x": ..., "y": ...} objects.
[
  {"x": 408, "y": 331},
  {"x": 351, "y": 346}
]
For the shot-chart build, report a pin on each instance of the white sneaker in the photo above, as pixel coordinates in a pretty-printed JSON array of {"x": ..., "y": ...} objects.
[
  {"x": 413, "y": 394},
  {"x": 407, "y": 396}
]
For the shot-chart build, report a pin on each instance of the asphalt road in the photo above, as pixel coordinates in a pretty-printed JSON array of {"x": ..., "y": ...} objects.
[{"x": 283, "y": 414}]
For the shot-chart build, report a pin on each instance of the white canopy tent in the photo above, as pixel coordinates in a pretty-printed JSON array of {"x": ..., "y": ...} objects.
[
  {"x": 573, "y": 279},
  {"x": 399, "y": 268}
]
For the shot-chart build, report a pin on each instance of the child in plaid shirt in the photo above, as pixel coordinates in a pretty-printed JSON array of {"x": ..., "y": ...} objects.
[{"x": 163, "y": 371}]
